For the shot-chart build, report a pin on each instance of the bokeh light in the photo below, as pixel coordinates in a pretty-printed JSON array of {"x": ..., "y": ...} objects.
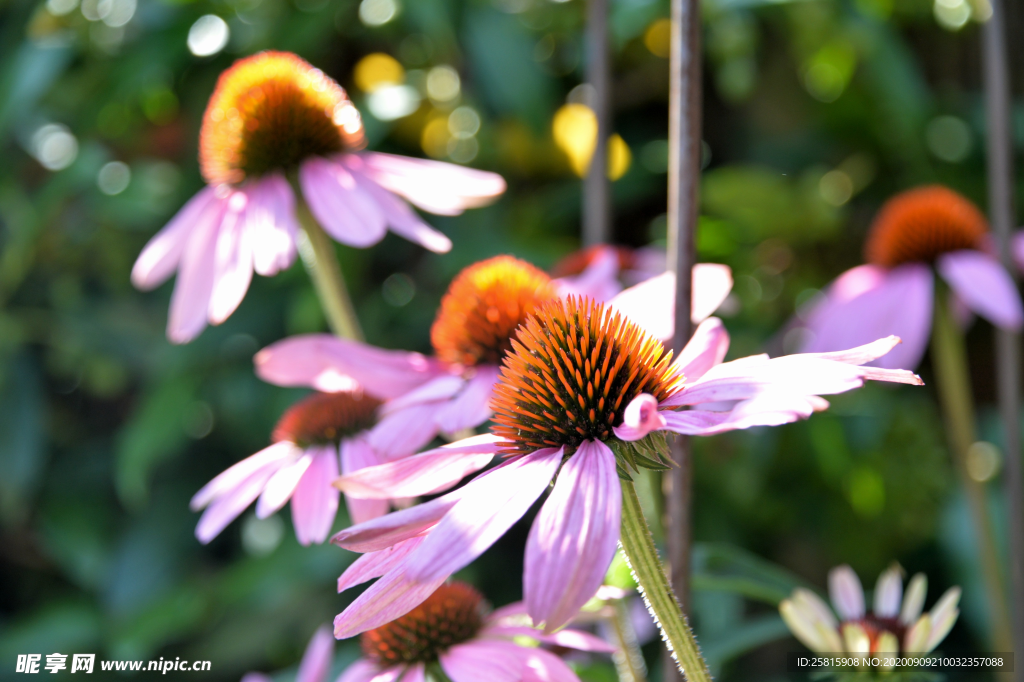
[
  {"x": 443, "y": 84},
  {"x": 114, "y": 177},
  {"x": 208, "y": 35},
  {"x": 377, "y": 70},
  {"x": 378, "y": 12},
  {"x": 54, "y": 146},
  {"x": 949, "y": 138}
]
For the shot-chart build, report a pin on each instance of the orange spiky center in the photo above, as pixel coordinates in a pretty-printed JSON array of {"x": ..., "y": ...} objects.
[
  {"x": 921, "y": 224},
  {"x": 324, "y": 418},
  {"x": 578, "y": 261},
  {"x": 269, "y": 112},
  {"x": 452, "y": 615},
  {"x": 484, "y": 306},
  {"x": 574, "y": 368}
]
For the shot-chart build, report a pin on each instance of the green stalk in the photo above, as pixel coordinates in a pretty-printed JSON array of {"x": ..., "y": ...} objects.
[
  {"x": 629, "y": 660},
  {"x": 317, "y": 252},
  {"x": 642, "y": 556},
  {"x": 949, "y": 359}
]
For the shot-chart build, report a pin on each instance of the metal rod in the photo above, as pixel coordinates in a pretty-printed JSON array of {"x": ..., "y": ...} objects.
[
  {"x": 683, "y": 183},
  {"x": 596, "y": 202},
  {"x": 1001, "y": 214}
]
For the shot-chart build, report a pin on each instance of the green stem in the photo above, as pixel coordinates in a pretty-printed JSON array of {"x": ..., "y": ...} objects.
[
  {"x": 321, "y": 261},
  {"x": 629, "y": 660},
  {"x": 642, "y": 555},
  {"x": 949, "y": 359}
]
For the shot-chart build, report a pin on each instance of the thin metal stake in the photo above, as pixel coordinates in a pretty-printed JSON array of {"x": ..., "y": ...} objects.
[{"x": 596, "y": 203}]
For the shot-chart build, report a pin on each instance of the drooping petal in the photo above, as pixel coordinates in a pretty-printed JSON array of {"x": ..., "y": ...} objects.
[
  {"x": 233, "y": 262},
  {"x": 846, "y": 593},
  {"x": 767, "y": 409},
  {"x": 943, "y": 616},
  {"x": 489, "y": 506},
  {"x": 705, "y": 349},
  {"x": 356, "y": 454},
  {"x": 651, "y": 303},
  {"x": 712, "y": 283},
  {"x": 599, "y": 280},
  {"x": 896, "y": 302},
  {"x": 270, "y": 219},
  {"x": 335, "y": 199},
  {"x": 981, "y": 282},
  {"x": 196, "y": 274},
  {"x": 316, "y": 661},
  {"x": 570, "y": 639},
  {"x": 364, "y": 671},
  {"x": 640, "y": 418},
  {"x": 390, "y": 529},
  {"x": 425, "y": 473},
  {"x": 544, "y": 666},
  {"x": 740, "y": 380},
  {"x": 442, "y": 188},
  {"x": 227, "y": 508},
  {"x": 404, "y": 431},
  {"x": 479, "y": 660},
  {"x": 315, "y": 501},
  {"x": 391, "y": 597},
  {"x": 375, "y": 564},
  {"x": 816, "y": 634},
  {"x": 888, "y": 593},
  {"x": 402, "y": 220},
  {"x": 574, "y": 537},
  {"x": 161, "y": 255},
  {"x": 327, "y": 363},
  {"x": 234, "y": 475},
  {"x": 472, "y": 406},
  {"x": 440, "y": 388},
  {"x": 280, "y": 487},
  {"x": 417, "y": 672}
]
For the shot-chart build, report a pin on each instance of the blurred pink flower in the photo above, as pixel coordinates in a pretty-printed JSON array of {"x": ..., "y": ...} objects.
[
  {"x": 300, "y": 466},
  {"x": 274, "y": 116},
  {"x": 485, "y": 305},
  {"x": 451, "y": 628},
  {"x": 895, "y": 625},
  {"x": 316, "y": 661},
  {"x": 581, "y": 385},
  {"x": 893, "y": 294}
]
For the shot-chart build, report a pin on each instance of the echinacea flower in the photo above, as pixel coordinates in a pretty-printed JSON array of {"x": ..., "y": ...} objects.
[
  {"x": 273, "y": 118},
  {"x": 472, "y": 332},
  {"x": 311, "y": 439},
  {"x": 453, "y": 629},
  {"x": 895, "y": 625},
  {"x": 315, "y": 663},
  {"x": 584, "y": 394},
  {"x": 893, "y": 293}
]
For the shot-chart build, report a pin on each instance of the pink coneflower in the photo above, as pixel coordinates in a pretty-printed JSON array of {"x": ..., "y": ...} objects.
[
  {"x": 273, "y": 117},
  {"x": 893, "y": 294},
  {"x": 315, "y": 663},
  {"x": 310, "y": 441},
  {"x": 894, "y": 626},
  {"x": 453, "y": 629},
  {"x": 585, "y": 394},
  {"x": 472, "y": 332}
]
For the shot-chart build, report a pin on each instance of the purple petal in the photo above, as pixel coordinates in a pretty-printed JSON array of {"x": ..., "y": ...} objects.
[
  {"x": 404, "y": 431},
  {"x": 1017, "y": 247},
  {"x": 425, "y": 473},
  {"x": 437, "y": 187},
  {"x": 981, "y": 282},
  {"x": 889, "y": 593},
  {"x": 489, "y": 506},
  {"x": 573, "y": 539},
  {"x": 230, "y": 478},
  {"x": 357, "y": 454},
  {"x": 712, "y": 283},
  {"x": 346, "y": 212},
  {"x": 768, "y": 409},
  {"x": 705, "y": 349},
  {"x": 196, "y": 272},
  {"x": 479, "y": 660},
  {"x": 364, "y": 671},
  {"x": 415, "y": 673},
  {"x": 162, "y": 253},
  {"x": 651, "y": 303},
  {"x": 227, "y": 508},
  {"x": 233, "y": 261},
  {"x": 544, "y": 666},
  {"x": 440, "y": 388},
  {"x": 471, "y": 407},
  {"x": 640, "y": 418},
  {"x": 256, "y": 677},
  {"x": 846, "y": 593},
  {"x": 569, "y": 639},
  {"x": 315, "y": 501},
  {"x": 742, "y": 379},
  {"x": 390, "y": 529},
  {"x": 402, "y": 220},
  {"x": 898, "y": 302},
  {"x": 270, "y": 220},
  {"x": 599, "y": 280},
  {"x": 317, "y": 659},
  {"x": 281, "y": 486},
  {"x": 327, "y": 363},
  {"x": 375, "y": 564},
  {"x": 391, "y": 597}
]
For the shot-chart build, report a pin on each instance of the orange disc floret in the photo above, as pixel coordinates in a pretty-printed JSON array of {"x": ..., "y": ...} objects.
[
  {"x": 269, "y": 112},
  {"x": 326, "y": 418},
  {"x": 575, "y": 367},
  {"x": 578, "y": 261},
  {"x": 921, "y": 224},
  {"x": 452, "y": 615},
  {"x": 484, "y": 306}
]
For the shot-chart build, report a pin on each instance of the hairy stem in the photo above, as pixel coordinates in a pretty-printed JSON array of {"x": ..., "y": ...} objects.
[
  {"x": 321, "y": 263},
  {"x": 642, "y": 555},
  {"x": 949, "y": 358},
  {"x": 629, "y": 660}
]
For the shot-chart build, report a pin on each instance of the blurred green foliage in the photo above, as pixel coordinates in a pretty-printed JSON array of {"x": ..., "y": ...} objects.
[{"x": 816, "y": 111}]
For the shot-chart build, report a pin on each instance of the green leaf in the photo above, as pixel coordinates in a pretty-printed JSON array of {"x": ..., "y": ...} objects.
[
  {"x": 22, "y": 443},
  {"x": 721, "y": 566}
]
